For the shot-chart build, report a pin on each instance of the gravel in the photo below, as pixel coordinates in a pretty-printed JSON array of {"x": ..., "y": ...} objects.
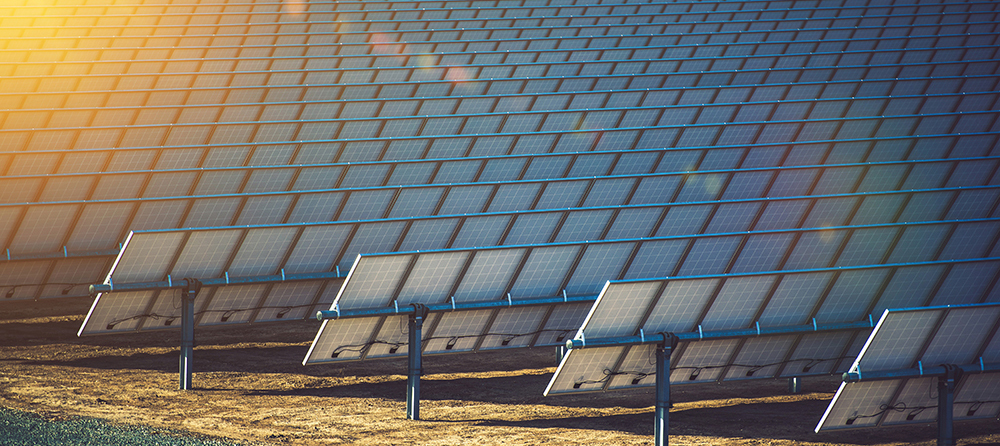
[{"x": 25, "y": 429}]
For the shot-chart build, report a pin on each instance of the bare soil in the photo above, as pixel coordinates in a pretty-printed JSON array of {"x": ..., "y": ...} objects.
[{"x": 250, "y": 386}]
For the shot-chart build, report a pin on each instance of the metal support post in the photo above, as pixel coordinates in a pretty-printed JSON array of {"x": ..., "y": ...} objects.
[
  {"x": 794, "y": 386},
  {"x": 946, "y": 404},
  {"x": 415, "y": 365},
  {"x": 187, "y": 332},
  {"x": 661, "y": 429}
]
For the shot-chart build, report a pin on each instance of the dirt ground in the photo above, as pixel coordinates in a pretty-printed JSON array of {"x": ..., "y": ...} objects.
[{"x": 250, "y": 386}]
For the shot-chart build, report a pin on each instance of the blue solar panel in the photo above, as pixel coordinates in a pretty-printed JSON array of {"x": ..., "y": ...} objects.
[
  {"x": 909, "y": 339},
  {"x": 787, "y": 136},
  {"x": 700, "y": 304}
]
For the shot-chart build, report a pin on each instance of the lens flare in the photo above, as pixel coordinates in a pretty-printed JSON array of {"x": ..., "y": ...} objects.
[
  {"x": 293, "y": 7},
  {"x": 383, "y": 44},
  {"x": 457, "y": 74}
]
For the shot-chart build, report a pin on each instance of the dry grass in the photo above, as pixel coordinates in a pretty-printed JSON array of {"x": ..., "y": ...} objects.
[{"x": 250, "y": 385}]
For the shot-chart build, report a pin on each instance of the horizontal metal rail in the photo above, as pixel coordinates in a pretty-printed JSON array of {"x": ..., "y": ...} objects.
[
  {"x": 6, "y": 255},
  {"x": 567, "y": 131},
  {"x": 645, "y": 74},
  {"x": 557, "y": 15},
  {"x": 452, "y": 306},
  {"x": 217, "y": 282},
  {"x": 660, "y": 338},
  {"x": 508, "y": 41},
  {"x": 564, "y": 179},
  {"x": 545, "y": 95},
  {"x": 326, "y": 141},
  {"x": 920, "y": 371}
]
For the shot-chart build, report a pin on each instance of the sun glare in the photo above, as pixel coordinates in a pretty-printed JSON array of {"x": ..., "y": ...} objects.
[{"x": 293, "y": 7}]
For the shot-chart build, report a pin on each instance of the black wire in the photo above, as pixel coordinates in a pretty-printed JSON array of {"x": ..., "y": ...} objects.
[
  {"x": 225, "y": 313},
  {"x": 361, "y": 348},
  {"x": 696, "y": 370},
  {"x": 452, "y": 341},
  {"x": 608, "y": 374},
  {"x": 507, "y": 337},
  {"x": 758, "y": 367},
  {"x": 975, "y": 405},
  {"x": 68, "y": 287},
  {"x": 916, "y": 410},
  {"x": 898, "y": 407}
]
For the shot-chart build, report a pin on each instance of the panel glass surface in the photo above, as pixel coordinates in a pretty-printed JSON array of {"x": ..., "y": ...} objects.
[
  {"x": 724, "y": 302},
  {"x": 778, "y": 112},
  {"x": 343, "y": 339},
  {"x": 913, "y": 338}
]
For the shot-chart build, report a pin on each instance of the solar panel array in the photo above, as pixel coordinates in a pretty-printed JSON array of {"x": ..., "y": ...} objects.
[
  {"x": 915, "y": 338},
  {"x": 165, "y": 114},
  {"x": 577, "y": 267},
  {"x": 703, "y": 304}
]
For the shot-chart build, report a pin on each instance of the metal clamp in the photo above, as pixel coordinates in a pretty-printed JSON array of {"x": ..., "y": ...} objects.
[
  {"x": 670, "y": 339},
  {"x": 420, "y": 310},
  {"x": 192, "y": 288}
]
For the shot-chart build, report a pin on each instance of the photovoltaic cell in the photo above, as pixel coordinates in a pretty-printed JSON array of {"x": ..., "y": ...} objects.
[
  {"x": 738, "y": 301},
  {"x": 442, "y": 83},
  {"x": 148, "y": 257},
  {"x": 913, "y": 338},
  {"x": 263, "y": 250},
  {"x": 267, "y": 209}
]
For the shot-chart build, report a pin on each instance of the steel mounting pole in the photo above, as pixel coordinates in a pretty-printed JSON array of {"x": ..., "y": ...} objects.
[
  {"x": 661, "y": 429},
  {"x": 187, "y": 332},
  {"x": 946, "y": 404},
  {"x": 415, "y": 368}
]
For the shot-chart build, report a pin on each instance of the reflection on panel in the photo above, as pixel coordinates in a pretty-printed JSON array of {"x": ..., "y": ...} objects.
[
  {"x": 525, "y": 271},
  {"x": 93, "y": 220},
  {"x": 593, "y": 141},
  {"x": 917, "y": 338},
  {"x": 762, "y": 300}
]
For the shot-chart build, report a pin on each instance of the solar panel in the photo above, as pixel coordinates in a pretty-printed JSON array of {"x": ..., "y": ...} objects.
[
  {"x": 209, "y": 207},
  {"x": 921, "y": 339},
  {"x": 543, "y": 270},
  {"x": 702, "y": 304},
  {"x": 766, "y": 125},
  {"x": 100, "y": 223},
  {"x": 509, "y": 80},
  {"x": 401, "y": 280},
  {"x": 262, "y": 250}
]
